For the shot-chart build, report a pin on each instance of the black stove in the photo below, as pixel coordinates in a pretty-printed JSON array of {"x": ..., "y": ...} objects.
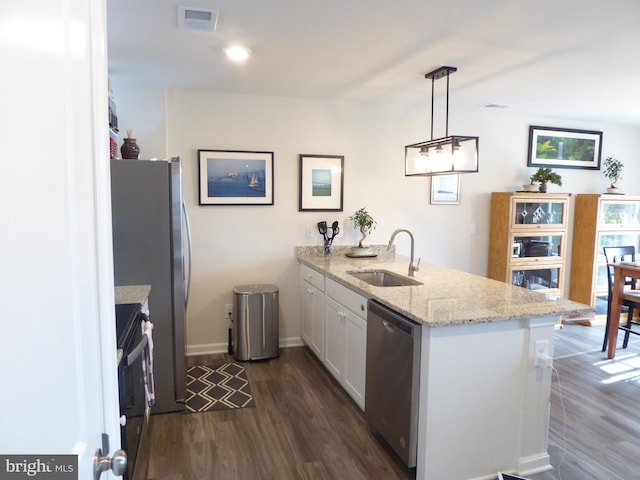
[
  {"x": 126, "y": 315},
  {"x": 133, "y": 402}
]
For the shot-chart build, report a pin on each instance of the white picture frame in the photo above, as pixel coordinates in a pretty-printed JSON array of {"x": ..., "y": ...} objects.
[
  {"x": 445, "y": 189},
  {"x": 235, "y": 177}
]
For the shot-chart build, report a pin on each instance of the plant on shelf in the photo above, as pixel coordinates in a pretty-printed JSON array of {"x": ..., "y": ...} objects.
[
  {"x": 613, "y": 171},
  {"x": 363, "y": 222},
  {"x": 531, "y": 186},
  {"x": 544, "y": 176}
]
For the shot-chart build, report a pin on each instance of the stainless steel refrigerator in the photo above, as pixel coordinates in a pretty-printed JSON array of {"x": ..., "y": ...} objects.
[{"x": 149, "y": 220}]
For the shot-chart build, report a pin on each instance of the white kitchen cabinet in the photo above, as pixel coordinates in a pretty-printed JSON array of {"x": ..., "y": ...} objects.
[
  {"x": 313, "y": 307},
  {"x": 335, "y": 351},
  {"x": 346, "y": 338},
  {"x": 355, "y": 366}
]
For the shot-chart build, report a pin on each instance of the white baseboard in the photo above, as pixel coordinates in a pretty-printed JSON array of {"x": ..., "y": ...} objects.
[
  {"x": 534, "y": 464},
  {"x": 209, "y": 348}
]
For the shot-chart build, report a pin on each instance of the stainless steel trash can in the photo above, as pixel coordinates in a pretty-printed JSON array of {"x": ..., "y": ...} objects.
[{"x": 255, "y": 326}]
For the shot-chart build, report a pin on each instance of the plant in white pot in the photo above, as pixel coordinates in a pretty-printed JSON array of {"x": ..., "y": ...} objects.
[
  {"x": 366, "y": 224},
  {"x": 530, "y": 187},
  {"x": 613, "y": 171}
]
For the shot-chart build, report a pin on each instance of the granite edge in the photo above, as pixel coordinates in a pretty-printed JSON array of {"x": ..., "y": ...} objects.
[{"x": 556, "y": 308}]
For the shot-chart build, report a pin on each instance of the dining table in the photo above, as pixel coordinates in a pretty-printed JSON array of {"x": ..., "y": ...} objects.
[{"x": 621, "y": 271}]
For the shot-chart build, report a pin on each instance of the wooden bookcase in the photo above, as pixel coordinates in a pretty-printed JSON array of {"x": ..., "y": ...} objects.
[
  {"x": 527, "y": 242},
  {"x": 600, "y": 220}
]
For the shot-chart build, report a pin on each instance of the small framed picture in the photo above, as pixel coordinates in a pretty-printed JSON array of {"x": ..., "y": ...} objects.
[
  {"x": 445, "y": 189},
  {"x": 235, "y": 177},
  {"x": 321, "y": 183},
  {"x": 517, "y": 246},
  {"x": 564, "y": 148}
]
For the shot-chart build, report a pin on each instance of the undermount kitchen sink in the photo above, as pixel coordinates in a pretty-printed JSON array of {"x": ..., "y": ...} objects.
[{"x": 383, "y": 278}]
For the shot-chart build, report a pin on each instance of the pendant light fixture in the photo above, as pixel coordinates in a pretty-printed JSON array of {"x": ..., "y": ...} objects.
[{"x": 446, "y": 155}]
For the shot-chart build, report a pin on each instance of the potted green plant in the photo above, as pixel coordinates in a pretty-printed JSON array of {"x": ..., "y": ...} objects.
[
  {"x": 364, "y": 222},
  {"x": 613, "y": 171},
  {"x": 530, "y": 187},
  {"x": 544, "y": 176}
]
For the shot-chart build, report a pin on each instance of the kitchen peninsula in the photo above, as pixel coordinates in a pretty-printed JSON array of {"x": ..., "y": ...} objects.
[{"x": 483, "y": 402}]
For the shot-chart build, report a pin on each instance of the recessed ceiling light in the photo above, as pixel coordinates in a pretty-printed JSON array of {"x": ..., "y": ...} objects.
[{"x": 237, "y": 54}]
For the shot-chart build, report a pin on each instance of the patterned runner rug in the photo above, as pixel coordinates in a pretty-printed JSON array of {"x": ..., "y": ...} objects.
[{"x": 217, "y": 388}]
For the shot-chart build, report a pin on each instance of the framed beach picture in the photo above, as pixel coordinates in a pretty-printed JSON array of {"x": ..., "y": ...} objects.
[
  {"x": 445, "y": 189},
  {"x": 564, "y": 148},
  {"x": 235, "y": 177},
  {"x": 321, "y": 183}
]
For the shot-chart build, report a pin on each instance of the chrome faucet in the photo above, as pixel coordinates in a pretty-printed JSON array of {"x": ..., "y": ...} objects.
[{"x": 412, "y": 268}]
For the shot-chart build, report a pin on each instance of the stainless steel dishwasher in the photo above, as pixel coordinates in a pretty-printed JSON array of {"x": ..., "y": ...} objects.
[{"x": 393, "y": 379}]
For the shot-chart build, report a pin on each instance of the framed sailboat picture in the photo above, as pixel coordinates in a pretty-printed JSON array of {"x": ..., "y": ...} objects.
[
  {"x": 321, "y": 183},
  {"x": 235, "y": 177}
]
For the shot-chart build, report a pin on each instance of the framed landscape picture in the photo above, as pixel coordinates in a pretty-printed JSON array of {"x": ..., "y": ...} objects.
[
  {"x": 321, "y": 183},
  {"x": 564, "y": 148},
  {"x": 235, "y": 177}
]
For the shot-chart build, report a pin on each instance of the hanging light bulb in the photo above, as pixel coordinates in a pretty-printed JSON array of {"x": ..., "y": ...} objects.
[
  {"x": 421, "y": 162},
  {"x": 458, "y": 155}
]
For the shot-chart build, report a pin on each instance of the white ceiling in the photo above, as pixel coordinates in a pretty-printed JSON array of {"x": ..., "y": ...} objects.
[{"x": 570, "y": 59}]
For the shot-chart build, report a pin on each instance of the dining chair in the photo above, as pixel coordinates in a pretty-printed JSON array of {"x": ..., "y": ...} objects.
[{"x": 631, "y": 296}]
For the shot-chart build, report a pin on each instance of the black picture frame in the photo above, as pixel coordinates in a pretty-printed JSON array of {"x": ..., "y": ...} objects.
[
  {"x": 564, "y": 148},
  {"x": 235, "y": 177},
  {"x": 321, "y": 183}
]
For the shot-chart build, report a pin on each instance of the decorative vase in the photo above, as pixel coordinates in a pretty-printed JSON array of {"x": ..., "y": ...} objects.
[
  {"x": 130, "y": 149},
  {"x": 543, "y": 187}
]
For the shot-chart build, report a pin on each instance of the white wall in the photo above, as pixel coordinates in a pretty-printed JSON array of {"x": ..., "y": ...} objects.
[
  {"x": 143, "y": 111},
  {"x": 255, "y": 244}
]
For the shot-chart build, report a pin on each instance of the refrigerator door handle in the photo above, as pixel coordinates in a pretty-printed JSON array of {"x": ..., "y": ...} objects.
[{"x": 188, "y": 231}]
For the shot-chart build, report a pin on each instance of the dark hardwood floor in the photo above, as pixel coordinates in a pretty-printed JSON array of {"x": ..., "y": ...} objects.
[
  {"x": 305, "y": 427},
  {"x": 595, "y": 430}
]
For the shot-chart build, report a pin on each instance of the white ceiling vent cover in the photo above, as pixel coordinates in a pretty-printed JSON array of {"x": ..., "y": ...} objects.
[{"x": 192, "y": 18}]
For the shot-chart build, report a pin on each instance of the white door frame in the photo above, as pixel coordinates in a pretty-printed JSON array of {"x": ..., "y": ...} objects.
[{"x": 57, "y": 361}]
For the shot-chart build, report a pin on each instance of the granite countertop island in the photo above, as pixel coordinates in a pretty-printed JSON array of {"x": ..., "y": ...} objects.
[
  {"x": 483, "y": 397},
  {"x": 446, "y": 296}
]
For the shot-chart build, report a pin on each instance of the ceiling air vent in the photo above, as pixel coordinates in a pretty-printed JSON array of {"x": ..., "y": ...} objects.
[{"x": 190, "y": 18}]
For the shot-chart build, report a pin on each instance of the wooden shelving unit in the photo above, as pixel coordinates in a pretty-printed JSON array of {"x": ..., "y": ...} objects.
[
  {"x": 600, "y": 220},
  {"x": 527, "y": 242},
  {"x": 113, "y": 129}
]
